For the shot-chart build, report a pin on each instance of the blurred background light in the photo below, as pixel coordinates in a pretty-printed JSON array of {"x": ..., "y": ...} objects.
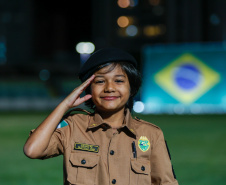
[
  {"x": 178, "y": 109},
  {"x": 123, "y": 21},
  {"x": 138, "y": 107},
  {"x": 214, "y": 19},
  {"x": 85, "y": 47},
  {"x": 44, "y": 74},
  {"x": 84, "y": 57},
  {"x": 134, "y": 3},
  {"x": 2, "y": 50},
  {"x": 154, "y": 30},
  {"x": 224, "y": 99},
  {"x": 123, "y": 3},
  {"x": 131, "y": 30},
  {"x": 196, "y": 109}
]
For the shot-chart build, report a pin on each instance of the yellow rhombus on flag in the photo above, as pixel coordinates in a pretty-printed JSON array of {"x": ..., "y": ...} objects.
[{"x": 187, "y": 78}]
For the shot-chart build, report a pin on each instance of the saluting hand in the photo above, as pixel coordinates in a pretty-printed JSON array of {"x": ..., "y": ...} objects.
[
  {"x": 74, "y": 99},
  {"x": 37, "y": 143}
]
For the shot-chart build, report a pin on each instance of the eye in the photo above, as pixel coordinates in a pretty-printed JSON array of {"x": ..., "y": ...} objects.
[
  {"x": 99, "y": 81},
  {"x": 119, "y": 81}
]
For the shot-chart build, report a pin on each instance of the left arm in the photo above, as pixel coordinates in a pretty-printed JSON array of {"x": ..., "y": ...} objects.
[{"x": 161, "y": 167}]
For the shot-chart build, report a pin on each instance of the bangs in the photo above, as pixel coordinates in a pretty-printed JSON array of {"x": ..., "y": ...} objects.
[{"x": 111, "y": 67}]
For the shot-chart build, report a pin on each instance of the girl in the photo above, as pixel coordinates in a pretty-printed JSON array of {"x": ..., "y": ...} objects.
[{"x": 107, "y": 146}]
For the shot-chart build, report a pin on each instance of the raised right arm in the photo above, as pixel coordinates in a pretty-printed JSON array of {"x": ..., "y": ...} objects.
[{"x": 36, "y": 145}]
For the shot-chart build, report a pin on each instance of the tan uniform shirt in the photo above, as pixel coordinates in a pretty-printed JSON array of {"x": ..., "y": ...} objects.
[{"x": 94, "y": 154}]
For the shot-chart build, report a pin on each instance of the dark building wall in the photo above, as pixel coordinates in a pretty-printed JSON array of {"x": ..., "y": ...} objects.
[
  {"x": 183, "y": 21},
  {"x": 42, "y": 33}
]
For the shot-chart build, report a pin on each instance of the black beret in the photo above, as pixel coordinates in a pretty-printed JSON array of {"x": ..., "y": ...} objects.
[{"x": 103, "y": 56}]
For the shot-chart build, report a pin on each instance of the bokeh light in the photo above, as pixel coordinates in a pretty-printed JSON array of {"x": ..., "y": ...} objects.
[
  {"x": 44, "y": 74},
  {"x": 214, "y": 19},
  {"x": 85, "y": 47},
  {"x": 154, "y": 30},
  {"x": 123, "y": 3},
  {"x": 138, "y": 107},
  {"x": 133, "y": 3},
  {"x": 131, "y": 30},
  {"x": 3, "y": 50},
  {"x": 123, "y": 21}
]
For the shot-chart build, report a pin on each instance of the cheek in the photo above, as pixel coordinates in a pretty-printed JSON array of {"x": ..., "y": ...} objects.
[{"x": 94, "y": 91}]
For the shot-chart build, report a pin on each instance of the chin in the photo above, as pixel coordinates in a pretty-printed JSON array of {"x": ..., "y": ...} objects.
[{"x": 110, "y": 109}]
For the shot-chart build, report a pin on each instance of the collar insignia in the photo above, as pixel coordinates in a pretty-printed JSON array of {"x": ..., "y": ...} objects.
[{"x": 144, "y": 144}]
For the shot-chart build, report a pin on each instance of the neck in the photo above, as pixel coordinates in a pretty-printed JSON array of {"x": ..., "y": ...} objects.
[{"x": 115, "y": 119}]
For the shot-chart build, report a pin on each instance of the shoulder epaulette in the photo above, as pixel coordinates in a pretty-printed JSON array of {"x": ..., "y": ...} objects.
[
  {"x": 146, "y": 122},
  {"x": 77, "y": 110}
]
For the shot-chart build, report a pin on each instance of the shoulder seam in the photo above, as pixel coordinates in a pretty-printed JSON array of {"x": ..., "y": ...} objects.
[
  {"x": 69, "y": 113},
  {"x": 146, "y": 122}
]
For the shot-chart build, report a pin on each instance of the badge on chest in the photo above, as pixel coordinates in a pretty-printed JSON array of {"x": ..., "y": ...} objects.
[
  {"x": 144, "y": 143},
  {"x": 86, "y": 147}
]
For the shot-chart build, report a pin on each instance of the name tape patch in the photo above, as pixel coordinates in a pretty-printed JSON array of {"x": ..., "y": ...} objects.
[{"x": 86, "y": 147}]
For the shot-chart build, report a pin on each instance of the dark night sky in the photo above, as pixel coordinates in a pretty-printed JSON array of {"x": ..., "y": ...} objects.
[{"x": 59, "y": 26}]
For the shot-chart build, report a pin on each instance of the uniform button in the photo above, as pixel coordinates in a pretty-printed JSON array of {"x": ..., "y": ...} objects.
[
  {"x": 105, "y": 127},
  {"x": 83, "y": 161},
  {"x": 112, "y": 152},
  {"x": 142, "y": 168},
  {"x": 113, "y": 181}
]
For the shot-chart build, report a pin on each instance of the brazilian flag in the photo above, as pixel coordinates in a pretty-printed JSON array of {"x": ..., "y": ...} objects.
[{"x": 185, "y": 77}]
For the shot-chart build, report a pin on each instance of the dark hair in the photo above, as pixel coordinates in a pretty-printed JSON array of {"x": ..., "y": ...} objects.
[{"x": 134, "y": 81}]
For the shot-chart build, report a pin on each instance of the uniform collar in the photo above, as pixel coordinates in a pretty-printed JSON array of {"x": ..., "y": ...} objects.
[{"x": 97, "y": 121}]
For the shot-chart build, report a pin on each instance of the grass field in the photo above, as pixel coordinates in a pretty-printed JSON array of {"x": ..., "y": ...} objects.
[{"x": 197, "y": 145}]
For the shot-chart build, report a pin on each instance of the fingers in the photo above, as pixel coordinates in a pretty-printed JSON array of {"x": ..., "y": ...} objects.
[
  {"x": 74, "y": 99},
  {"x": 82, "y": 100},
  {"x": 82, "y": 87},
  {"x": 89, "y": 80},
  {"x": 85, "y": 84},
  {"x": 86, "y": 97}
]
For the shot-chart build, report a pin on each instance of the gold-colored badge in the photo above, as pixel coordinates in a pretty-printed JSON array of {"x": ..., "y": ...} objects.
[{"x": 144, "y": 144}]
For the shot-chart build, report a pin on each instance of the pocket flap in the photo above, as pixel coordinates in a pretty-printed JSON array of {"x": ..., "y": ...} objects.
[
  {"x": 84, "y": 159},
  {"x": 141, "y": 166}
]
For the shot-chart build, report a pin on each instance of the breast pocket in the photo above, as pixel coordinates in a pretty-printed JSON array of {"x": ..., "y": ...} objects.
[
  {"x": 140, "y": 172},
  {"x": 83, "y": 168}
]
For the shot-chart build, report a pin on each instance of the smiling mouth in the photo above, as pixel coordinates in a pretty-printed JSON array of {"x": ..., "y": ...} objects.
[{"x": 109, "y": 98}]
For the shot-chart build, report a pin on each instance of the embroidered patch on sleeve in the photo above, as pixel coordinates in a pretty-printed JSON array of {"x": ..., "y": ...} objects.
[
  {"x": 86, "y": 147},
  {"x": 62, "y": 124},
  {"x": 144, "y": 144}
]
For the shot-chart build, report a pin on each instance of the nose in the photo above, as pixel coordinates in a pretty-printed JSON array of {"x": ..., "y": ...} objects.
[{"x": 109, "y": 87}]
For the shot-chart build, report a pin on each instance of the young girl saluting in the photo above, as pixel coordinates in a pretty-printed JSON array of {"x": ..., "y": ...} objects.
[{"x": 107, "y": 146}]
